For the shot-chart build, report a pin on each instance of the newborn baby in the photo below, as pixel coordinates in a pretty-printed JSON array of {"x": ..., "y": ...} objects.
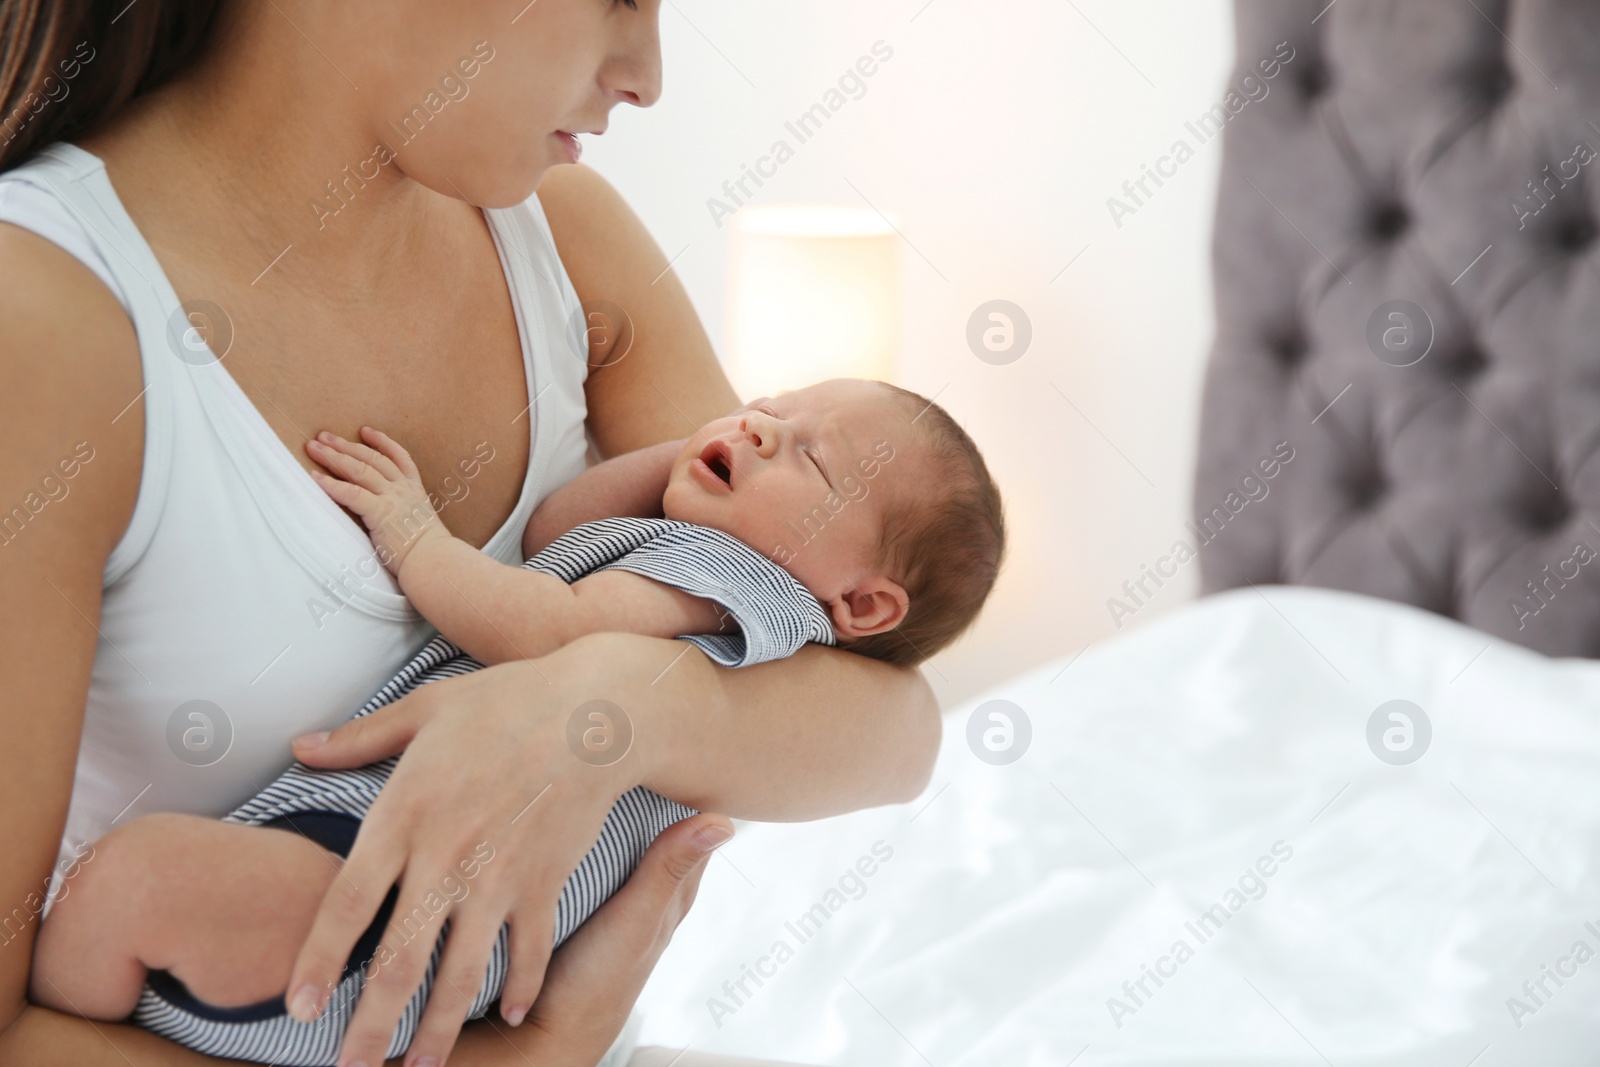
[{"x": 850, "y": 512}]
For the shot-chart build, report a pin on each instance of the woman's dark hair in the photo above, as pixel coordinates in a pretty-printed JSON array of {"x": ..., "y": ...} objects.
[{"x": 68, "y": 66}]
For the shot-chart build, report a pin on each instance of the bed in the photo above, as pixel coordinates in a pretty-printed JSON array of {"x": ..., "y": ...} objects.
[
  {"x": 1343, "y": 808},
  {"x": 1406, "y": 904}
]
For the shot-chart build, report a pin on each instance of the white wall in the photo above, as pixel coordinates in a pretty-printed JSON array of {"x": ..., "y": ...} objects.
[{"x": 994, "y": 135}]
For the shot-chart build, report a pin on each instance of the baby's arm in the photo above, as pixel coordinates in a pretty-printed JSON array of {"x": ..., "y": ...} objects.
[
  {"x": 497, "y": 613},
  {"x": 492, "y": 611},
  {"x": 222, "y": 907}
]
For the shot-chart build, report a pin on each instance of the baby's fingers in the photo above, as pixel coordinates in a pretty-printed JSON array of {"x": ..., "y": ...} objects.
[
  {"x": 345, "y": 494},
  {"x": 359, "y": 463},
  {"x": 391, "y": 450}
]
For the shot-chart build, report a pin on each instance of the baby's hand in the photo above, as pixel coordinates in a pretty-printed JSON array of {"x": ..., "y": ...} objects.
[{"x": 379, "y": 482}]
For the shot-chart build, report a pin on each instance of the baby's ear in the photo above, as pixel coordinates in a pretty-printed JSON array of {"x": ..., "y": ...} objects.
[{"x": 869, "y": 607}]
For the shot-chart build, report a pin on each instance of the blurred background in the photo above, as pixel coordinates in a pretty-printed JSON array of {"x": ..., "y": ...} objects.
[{"x": 994, "y": 145}]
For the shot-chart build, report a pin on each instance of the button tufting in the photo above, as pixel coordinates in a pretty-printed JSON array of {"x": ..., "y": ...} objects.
[
  {"x": 1574, "y": 235},
  {"x": 1466, "y": 362},
  {"x": 1548, "y": 512},
  {"x": 1289, "y": 347},
  {"x": 1490, "y": 84},
  {"x": 1388, "y": 221},
  {"x": 1364, "y": 487},
  {"x": 1313, "y": 79}
]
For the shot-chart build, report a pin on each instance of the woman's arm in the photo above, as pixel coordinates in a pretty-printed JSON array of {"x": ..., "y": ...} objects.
[
  {"x": 669, "y": 383},
  {"x": 829, "y": 730},
  {"x": 630, "y": 484},
  {"x": 71, "y": 365},
  {"x": 72, "y": 374},
  {"x": 490, "y": 756},
  {"x": 822, "y": 732}
]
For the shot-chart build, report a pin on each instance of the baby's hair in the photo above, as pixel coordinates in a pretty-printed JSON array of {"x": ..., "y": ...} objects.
[{"x": 945, "y": 552}]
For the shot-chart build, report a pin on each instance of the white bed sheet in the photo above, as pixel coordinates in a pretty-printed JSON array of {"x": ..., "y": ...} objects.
[{"x": 1164, "y": 763}]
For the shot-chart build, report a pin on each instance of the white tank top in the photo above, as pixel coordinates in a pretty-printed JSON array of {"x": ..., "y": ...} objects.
[{"x": 242, "y": 607}]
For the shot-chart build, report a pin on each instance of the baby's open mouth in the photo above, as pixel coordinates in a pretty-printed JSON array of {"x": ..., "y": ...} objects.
[{"x": 716, "y": 458}]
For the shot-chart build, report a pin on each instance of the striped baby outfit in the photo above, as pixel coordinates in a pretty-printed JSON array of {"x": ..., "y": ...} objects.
[{"x": 775, "y": 614}]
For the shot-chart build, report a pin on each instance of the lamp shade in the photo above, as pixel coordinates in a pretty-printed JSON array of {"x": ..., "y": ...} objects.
[{"x": 814, "y": 294}]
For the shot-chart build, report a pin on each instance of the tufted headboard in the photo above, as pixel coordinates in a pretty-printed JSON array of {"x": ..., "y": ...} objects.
[{"x": 1407, "y": 288}]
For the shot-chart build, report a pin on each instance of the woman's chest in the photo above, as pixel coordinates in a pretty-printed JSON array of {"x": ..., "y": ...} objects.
[{"x": 442, "y": 372}]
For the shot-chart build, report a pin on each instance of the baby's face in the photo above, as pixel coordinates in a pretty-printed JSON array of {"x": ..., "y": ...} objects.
[{"x": 803, "y": 478}]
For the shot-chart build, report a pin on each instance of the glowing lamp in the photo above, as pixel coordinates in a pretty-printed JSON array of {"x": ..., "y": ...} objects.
[{"x": 814, "y": 293}]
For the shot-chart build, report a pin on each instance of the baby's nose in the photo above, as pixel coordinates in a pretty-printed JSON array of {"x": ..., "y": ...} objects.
[{"x": 761, "y": 433}]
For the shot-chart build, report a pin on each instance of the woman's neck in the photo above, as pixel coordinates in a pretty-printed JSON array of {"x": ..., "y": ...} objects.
[{"x": 265, "y": 147}]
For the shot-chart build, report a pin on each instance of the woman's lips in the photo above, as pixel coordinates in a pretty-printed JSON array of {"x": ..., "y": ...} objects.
[{"x": 570, "y": 144}]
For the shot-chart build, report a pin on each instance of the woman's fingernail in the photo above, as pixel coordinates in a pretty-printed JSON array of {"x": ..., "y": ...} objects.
[
  {"x": 712, "y": 837},
  {"x": 426, "y": 1061},
  {"x": 325, "y": 436},
  {"x": 316, "y": 740},
  {"x": 304, "y": 1004},
  {"x": 514, "y": 1014}
]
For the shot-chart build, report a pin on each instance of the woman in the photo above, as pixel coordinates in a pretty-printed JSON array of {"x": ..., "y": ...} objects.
[{"x": 299, "y": 186}]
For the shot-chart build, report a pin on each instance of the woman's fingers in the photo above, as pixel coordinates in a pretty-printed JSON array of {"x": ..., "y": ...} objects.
[
  {"x": 460, "y": 979},
  {"x": 349, "y": 906},
  {"x": 531, "y": 937},
  {"x": 384, "y": 733},
  {"x": 394, "y": 974},
  {"x": 596, "y": 975}
]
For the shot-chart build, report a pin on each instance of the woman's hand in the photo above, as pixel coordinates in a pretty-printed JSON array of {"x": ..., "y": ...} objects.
[
  {"x": 489, "y": 796},
  {"x": 596, "y": 975}
]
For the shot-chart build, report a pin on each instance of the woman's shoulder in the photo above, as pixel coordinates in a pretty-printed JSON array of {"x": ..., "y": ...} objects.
[
  {"x": 61, "y": 319},
  {"x": 73, "y": 374}
]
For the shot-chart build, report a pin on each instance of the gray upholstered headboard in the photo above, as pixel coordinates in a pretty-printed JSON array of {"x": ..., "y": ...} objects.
[{"x": 1419, "y": 178}]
